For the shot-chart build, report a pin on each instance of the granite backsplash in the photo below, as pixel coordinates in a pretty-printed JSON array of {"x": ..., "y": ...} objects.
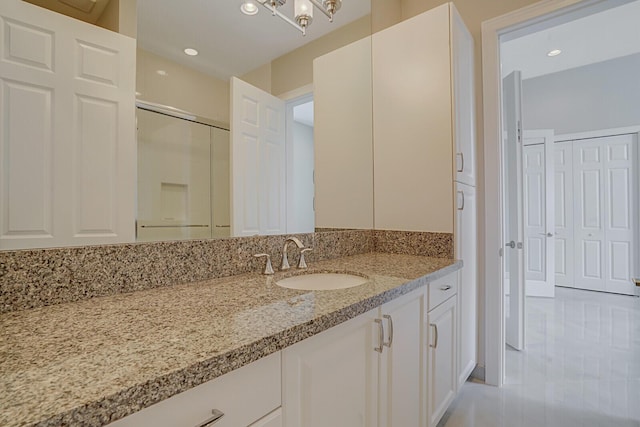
[{"x": 41, "y": 277}]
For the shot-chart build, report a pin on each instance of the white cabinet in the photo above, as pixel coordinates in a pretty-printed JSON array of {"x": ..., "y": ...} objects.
[
  {"x": 343, "y": 153},
  {"x": 366, "y": 372},
  {"x": 423, "y": 120},
  {"x": 442, "y": 378},
  {"x": 466, "y": 250},
  {"x": 245, "y": 395},
  {"x": 274, "y": 419},
  {"x": 402, "y": 389},
  {"x": 331, "y": 379}
]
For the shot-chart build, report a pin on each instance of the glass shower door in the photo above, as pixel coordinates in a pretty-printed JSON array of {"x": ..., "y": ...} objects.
[{"x": 174, "y": 178}]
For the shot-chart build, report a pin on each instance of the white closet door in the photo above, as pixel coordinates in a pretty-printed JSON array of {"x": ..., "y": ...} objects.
[
  {"x": 589, "y": 192},
  {"x": 258, "y": 199},
  {"x": 534, "y": 208},
  {"x": 67, "y": 146},
  {"x": 604, "y": 220},
  {"x": 619, "y": 202},
  {"x": 563, "y": 182}
]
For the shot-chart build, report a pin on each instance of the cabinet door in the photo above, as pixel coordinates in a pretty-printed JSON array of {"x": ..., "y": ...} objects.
[
  {"x": 466, "y": 250},
  {"x": 441, "y": 359},
  {"x": 463, "y": 99},
  {"x": 412, "y": 132},
  {"x": 331, "y": 379},
  {"x": 274, "y": 419},
  {"x": 402, "y": 368}
]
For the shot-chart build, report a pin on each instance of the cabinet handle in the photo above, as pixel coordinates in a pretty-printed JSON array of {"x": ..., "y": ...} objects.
[
  {"x": 461, "y": 161},
  {"x": 211, "y": 421},
  {"x": 390, "y": 320},
  {"x": 461, "y": 208},
  {"x": 435, "y": 328},
  {"x": 380, "y": 336},
  {"x": 445, "y": 288}
]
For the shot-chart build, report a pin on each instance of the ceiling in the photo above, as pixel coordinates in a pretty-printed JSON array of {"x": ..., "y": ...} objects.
[
  {"x": 229, "y": 42},
  {"x": 606, "y": 35}
]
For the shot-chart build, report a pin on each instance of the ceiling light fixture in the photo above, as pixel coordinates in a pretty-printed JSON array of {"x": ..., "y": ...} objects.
[
  {"x": 190, "y": 51},
  {"x": 248, "y": 7},
  {"x": 554, "y": 52},
  {"x": 303, "y": 10}
]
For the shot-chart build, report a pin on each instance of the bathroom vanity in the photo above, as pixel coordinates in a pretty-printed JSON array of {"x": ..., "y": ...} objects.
[{"x": 261, "y": 354}]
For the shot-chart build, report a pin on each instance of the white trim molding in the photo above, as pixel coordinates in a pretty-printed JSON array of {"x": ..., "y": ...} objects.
[
  {"x": 521, "y": 20},
  {"x": 598, "y": 133}
]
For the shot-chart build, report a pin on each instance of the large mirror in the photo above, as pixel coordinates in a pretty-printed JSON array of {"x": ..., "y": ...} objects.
[
  {"x": 191, "y": 181},
  {"x": 206, "y": 161}
]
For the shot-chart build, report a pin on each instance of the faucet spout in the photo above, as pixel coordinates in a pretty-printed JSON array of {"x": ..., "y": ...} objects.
[{"x": 285, "y": 260}]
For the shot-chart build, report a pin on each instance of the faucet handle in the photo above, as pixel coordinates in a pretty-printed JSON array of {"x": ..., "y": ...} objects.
[
  {"x": 303, "y": 263},
  {"x": 268, "y": 268}
]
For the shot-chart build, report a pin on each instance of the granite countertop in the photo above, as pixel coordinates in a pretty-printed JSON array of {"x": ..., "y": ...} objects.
[{"x": 91, "y": 362}]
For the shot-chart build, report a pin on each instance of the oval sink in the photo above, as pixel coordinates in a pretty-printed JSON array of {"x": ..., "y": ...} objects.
[{"x": 322, "y": 281}]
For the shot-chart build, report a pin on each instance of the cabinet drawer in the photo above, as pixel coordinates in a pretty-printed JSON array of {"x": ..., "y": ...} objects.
[
  {"x": 441, "y": 289},
  {"x": 244, "y": 396}
]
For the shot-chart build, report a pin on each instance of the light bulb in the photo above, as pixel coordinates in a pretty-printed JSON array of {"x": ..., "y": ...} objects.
[{"x": 249, "y": 8}]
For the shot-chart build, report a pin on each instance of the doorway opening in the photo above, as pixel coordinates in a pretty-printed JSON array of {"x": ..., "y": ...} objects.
[
  {"x": 300, "y": 164},
  {"x": 497, "y": 31},
  {"x": 570, "y": 209}
]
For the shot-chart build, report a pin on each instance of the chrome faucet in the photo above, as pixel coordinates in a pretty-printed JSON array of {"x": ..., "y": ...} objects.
[{"x": 285, "y": 261}]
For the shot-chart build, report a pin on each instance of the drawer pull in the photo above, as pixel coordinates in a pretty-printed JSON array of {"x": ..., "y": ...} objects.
[
  {"x": 211, "y": 421},
  {"x": 390, "y": 320},
  {"x": 445, "y": 288},
  {"x": 380, "y": 336}
]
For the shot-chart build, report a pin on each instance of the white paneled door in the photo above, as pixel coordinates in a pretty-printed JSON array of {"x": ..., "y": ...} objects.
[
  {"x": 539, "y": 213},
  {"x": 563, "y": 206},
  {"x": 67, "y": 146},
  {"x": 258, "y": 199},
  {"x": 513, "y": 264},
  {"x": 604, "y": 201}
]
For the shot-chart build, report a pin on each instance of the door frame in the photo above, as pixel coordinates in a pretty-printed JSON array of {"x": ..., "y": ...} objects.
[{"x": 539, "y": 14}]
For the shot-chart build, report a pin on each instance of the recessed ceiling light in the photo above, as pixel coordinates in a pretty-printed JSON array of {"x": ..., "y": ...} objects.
[
  {"x": 162, "y": 72},
  {"x": 191, "y": 52},
  {"x": 249, "y": 8},
  {"x": 554, "y": 52}
]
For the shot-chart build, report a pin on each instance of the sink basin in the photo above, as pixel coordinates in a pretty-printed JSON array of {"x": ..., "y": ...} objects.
[{"x": 322, "y": 281}]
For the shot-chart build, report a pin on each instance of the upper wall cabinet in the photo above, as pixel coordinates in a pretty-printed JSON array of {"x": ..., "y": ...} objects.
[
  {"x": 67, "y": 146},
  {"x": 423, "y": 110},
  {"x": 343, "y": 151}
]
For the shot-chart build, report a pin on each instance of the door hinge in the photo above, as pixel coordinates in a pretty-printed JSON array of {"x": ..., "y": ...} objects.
[{"x": 519, "y": 131}]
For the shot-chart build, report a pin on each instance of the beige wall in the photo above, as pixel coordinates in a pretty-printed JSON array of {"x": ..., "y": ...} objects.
[
  {"x": 295, "y": 69},
  {"x": 182, "y": 87},
  {"x": 260, "y": 77},
  {"x": 120, "y": 16},
  {"x": 110, "y": 17}
]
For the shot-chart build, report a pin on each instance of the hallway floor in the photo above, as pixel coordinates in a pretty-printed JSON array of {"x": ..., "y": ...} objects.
[{"x": 581, "y": 367}]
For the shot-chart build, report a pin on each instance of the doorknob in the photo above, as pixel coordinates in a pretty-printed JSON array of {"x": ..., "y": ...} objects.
[
  {"x": 546, "y": 234},
  {"x": 511, "y": 244}
]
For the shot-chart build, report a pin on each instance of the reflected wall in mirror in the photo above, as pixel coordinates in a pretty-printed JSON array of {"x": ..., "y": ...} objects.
[
  {"x": 68, "y": 162},
  {"x": 272, "y": 170}
]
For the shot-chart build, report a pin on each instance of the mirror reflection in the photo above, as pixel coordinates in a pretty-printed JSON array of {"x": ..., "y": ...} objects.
[
  {"x": 194, "y": 179},
  {"x": 223, "y": 142}
]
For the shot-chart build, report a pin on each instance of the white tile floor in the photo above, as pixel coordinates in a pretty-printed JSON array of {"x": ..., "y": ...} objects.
[{"x": 581, "y": 367}]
